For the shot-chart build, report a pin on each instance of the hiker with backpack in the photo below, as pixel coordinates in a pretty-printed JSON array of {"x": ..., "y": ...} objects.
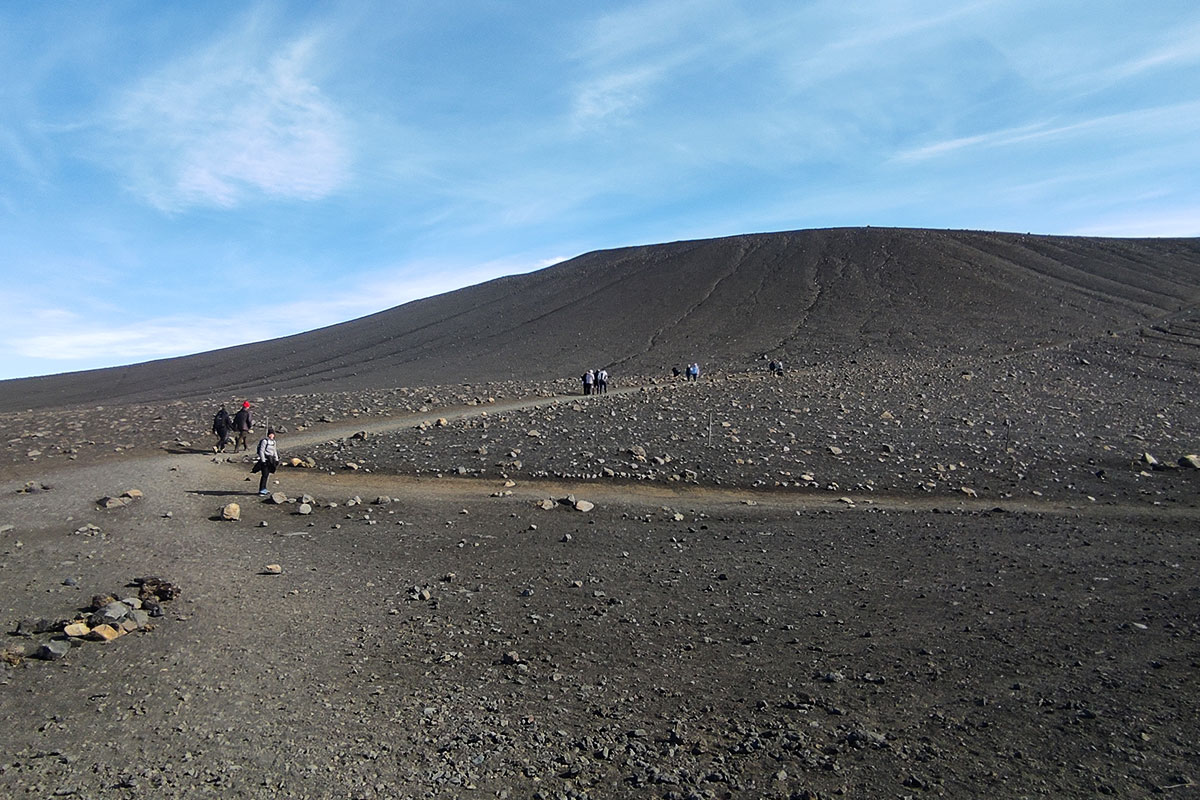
[
  {"x": 222, "y": 424},
  {"x": 243, "y": 424},
  {"x": 601, "y": 381},
  {"x": 589, "y": 378},
  {"x": 267, "y": 460}
]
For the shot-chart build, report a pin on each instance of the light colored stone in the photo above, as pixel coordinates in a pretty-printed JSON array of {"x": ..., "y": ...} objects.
[
  {"x": 273, "y": 569},
  {"x": 231, "y": 512},
  {"x": 104, "y": 633},
  {"x": 584, "y": 505},
  {"x": 304, "y": 509},
  {"x": 77, "y": 629}
]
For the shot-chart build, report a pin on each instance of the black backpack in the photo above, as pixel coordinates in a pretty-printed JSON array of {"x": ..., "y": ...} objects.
[{"x": 221, "y": 420}]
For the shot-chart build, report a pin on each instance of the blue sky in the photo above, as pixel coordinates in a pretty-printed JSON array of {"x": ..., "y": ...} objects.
[{"x": 178, "y": 177}]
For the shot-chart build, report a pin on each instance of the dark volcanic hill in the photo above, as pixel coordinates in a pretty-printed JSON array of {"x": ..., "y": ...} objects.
[{"x": 806, "y": 296}]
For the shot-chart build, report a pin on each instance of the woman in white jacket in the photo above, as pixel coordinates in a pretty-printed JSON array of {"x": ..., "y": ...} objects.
[{"x": 268, "y": 460}]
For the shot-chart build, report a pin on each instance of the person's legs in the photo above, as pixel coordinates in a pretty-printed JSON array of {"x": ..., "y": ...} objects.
[{"x": 264, "y": 476}]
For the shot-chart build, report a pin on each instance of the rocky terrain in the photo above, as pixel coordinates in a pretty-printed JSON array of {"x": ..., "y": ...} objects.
[{"x": 957, "y": 572}]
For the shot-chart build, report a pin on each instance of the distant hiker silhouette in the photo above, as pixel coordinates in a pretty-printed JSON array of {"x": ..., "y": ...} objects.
[
  {"x": 242, "y": 425},
  {"x": 222, "y": 424}
]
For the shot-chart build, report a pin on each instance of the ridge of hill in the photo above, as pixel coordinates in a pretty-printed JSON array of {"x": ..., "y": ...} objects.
[{"x": 813, "y": 296}]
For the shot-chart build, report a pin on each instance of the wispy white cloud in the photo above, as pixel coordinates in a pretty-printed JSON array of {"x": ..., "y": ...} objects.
[
  {"x": 1174, "y": 118},
  {"x": 237, "y": 119},
  {"x": 1181, "y": 49},
  {"x": 613, "y": 97}
]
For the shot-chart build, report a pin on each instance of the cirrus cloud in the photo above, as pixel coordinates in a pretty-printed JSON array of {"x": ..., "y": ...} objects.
[{"x": 229, "y": 123}]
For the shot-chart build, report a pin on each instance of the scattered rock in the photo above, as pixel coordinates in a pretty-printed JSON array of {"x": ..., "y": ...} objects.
[
  {"x": 54, "y": 649},
  {"x": 33, "y": 627},
  {"x": 231, "y": 512}
]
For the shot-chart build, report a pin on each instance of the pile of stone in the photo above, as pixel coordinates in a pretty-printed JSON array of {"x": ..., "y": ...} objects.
[
  {"x": 123, "y": 499},
  {"x": 106, "y": 617},
  {"x": 570, "y": 501}
]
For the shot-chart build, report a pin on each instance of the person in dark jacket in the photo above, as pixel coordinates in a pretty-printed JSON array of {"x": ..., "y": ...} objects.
[
  {"x": 242, "y": 425},
  {"x": 222, "y": 424},
  {"x": 267, "y": 460}
]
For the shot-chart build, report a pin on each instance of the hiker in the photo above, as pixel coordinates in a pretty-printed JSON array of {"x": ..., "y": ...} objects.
[
  {"x": 242, "y": 425},
  {"x": 589, "y": 378},
  {"x": 221, "y": 427},
  {"x": 601, "y": 381},
  {"x": 267, "y": 461},
  {"x": 693, "y": 372},
  {"x": 675, "y": 372}
]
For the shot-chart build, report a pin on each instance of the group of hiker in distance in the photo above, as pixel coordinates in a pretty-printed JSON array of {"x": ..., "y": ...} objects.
[
  {"x": 241, "y": 424},
  {"x": 595, "y": 381},
  {"x": 266, "y": 461}
]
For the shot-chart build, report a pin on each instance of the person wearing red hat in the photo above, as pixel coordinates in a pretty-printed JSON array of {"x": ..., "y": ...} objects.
[{"x": 242, "y": 425}]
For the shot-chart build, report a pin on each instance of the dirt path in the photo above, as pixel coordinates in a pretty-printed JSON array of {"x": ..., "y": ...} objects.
[{"x": 221, "y": 478}]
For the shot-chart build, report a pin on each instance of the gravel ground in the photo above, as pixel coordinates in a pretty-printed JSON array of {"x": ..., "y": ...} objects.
[{"x": 758, "y": 615}]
